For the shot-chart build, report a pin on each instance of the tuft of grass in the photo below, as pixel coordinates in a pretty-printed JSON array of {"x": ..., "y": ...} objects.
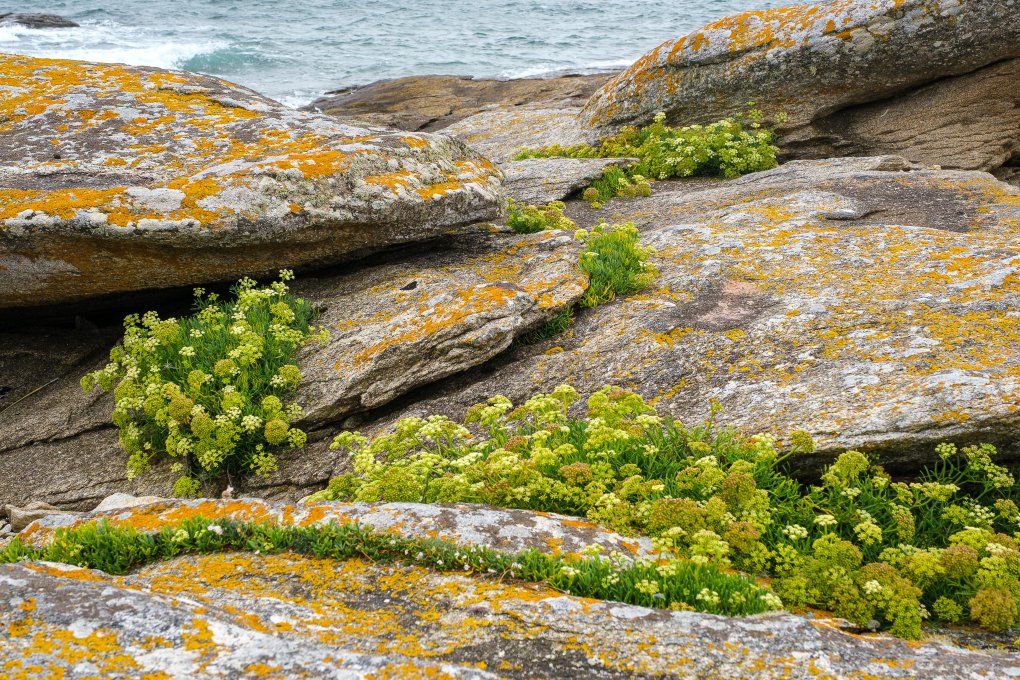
[
  {"x": 652, "y": 583},
  {"x": 613, "y": 183},
  {"x": 551, "y": 328},
  {"x": 211, "y": 391}
]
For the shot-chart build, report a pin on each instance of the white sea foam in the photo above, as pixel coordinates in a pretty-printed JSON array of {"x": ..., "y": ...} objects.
[{"x": 105, "y": 42}]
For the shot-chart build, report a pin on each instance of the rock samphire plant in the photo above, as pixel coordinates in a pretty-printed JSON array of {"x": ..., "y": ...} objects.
[
  {"x": 212, "y": 391},
  {"x": 868, "y": 548},
  {"x": 727, "y": 148}
]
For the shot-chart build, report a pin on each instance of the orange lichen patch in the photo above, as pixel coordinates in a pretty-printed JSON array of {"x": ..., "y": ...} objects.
[
  {"x": 62, "y": 203},
  {"x": 393, "y": 180},
  {"x": 415, "y": 142},
  {"x": 429, "y": 322},
  {"x": 438, "y": 190}
]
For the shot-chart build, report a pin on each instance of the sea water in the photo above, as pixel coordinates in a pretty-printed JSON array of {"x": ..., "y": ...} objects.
[{"x": 295, "y": 50}]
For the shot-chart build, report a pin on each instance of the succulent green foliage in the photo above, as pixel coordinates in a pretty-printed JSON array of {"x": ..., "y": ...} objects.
[
  {"x": 857, "y": 543},
  {"x": 529, "y": 219},
  {"x": 726, "y": 148},
  {"x": 653, "y": 583},
  {"x": 212, "y": 391},
  {"x": 615, "y": 261},
  {"x": 616, "y": 183}
]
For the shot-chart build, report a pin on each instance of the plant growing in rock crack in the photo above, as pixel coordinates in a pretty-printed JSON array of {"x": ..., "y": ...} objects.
[
  {"x": 615, "y": 261},
  {"x": 616, "y": 577},
  {"x": 946, "y": 546},
  {"x": 615, "y": 182},
  {"x": 726, "y": 148},
  {"x": 212, "y": 391},
  {"x": 530, "y": 219}
]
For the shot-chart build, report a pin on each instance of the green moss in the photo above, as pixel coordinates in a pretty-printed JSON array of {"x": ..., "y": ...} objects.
[
  {"x": 652, "y": 583},
  {"x": 209, "y": 391}
]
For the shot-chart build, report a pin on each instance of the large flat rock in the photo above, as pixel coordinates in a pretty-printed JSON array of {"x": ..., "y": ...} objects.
[
  {"x": 397, "y": 326},
  {"x": 818, "y": 63},
  {"x": 873, "y": 306},
  {"x": 117, "y": 178},
  {"x": 430, "y": 103},
  {"x": 250, "y": 615},
  {"x": 500, "y": 134}
]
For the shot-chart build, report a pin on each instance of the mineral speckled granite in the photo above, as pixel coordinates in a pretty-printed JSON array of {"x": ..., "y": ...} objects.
[
  {"x": 810, "y": 60},
  {"x": 254, "y": 616},
  {"x": 400, "y": 325},
  {"x": 117, "y": 178}
]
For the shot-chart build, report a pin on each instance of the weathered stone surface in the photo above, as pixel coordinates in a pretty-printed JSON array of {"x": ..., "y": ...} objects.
[
  {"x": 970, "y": 122},
  {"x": 30, "y": 20},
  {"x": 397, "y": 326},
  {"x": 429, "y": 103},
  {"x": 811, "y": 61},
  {"x": 19, "y": 518},
  {"x": 541, "y": 180},
  {"x": 498, "y": 135},
  {"x": 871, "y": 306},
  {"x": 463, "y": 523},
  {"x": 246, "y": 615},
  {"x": 116, "y": 178}
]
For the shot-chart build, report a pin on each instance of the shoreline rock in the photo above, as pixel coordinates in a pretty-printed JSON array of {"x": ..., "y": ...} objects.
[
  {"x": 853, "y": 77},
  {"x": 433, "y": 102},
  {"x": 117, "y": 179},
  {"x": 30, "y": 20}
]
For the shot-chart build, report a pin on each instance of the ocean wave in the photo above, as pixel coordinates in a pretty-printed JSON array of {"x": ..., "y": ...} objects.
[{"x": 106, "y": 42}]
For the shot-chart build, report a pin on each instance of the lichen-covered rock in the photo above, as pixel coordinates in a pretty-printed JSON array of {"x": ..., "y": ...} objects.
[
  {"x": 430, "y": 103},
  {"x": 407, "y": 323},
  {"x": 538, "y": 181},
  {"x": 249, "y": 615},
  {"x": 467, "y": 524},
  {"x": 971, "y": 122},
  {"x": 872, "y": 305},
  {"x": 116, "y": 178},
  {"x": 400, "y": 323},
  {"x": 499, "y": 135},
  {"x": 810, "y": 61}
]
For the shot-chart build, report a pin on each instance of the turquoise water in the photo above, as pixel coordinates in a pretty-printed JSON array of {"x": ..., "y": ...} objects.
[{"x": 295, "y": 50}]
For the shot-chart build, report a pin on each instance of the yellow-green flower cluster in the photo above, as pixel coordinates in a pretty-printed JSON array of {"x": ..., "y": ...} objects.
[
  {"x": 211, "y": 391},
  {"x": 857, "y": 543},
  {"x": 727, "y": 148},
  {"x": 529, "y": 219}
]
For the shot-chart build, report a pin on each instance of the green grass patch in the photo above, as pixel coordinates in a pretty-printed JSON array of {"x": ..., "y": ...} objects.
[
  {"x": 944, "y": 547},
  {"x": 651, "y": 583},
  {"x": 550, "y": 329},
  {"x": 212, "y": 391}
]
